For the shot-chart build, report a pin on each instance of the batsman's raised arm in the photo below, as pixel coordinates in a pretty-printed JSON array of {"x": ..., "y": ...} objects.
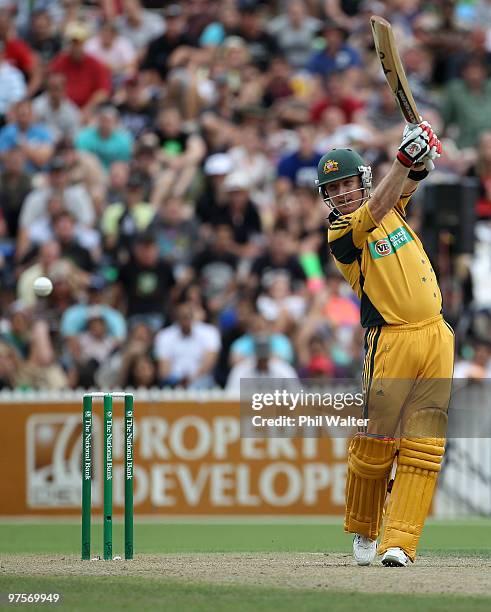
[
  {"x": 418, "y": 143},
  {"x": 387, "y": 194}
]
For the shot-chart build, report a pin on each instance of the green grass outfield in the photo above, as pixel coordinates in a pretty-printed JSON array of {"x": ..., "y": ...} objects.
[
  {"x": 453, "y": 538},
  {"x": 180, "y": 536}
]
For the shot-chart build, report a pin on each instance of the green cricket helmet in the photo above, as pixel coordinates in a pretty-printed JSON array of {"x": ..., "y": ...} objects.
[{"x": 340, "y": 164}]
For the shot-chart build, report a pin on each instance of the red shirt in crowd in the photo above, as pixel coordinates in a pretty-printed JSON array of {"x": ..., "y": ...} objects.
[
  {"x": 348, "y": 106},
  {"x": 83, "y": 78},
  {"x": 19, "y": 55}
]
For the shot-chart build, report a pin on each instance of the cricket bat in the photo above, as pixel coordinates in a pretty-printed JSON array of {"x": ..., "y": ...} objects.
[{"x": 386, "y": 47}]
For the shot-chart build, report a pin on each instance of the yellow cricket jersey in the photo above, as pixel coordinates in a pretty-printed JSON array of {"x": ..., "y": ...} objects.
[{"x": 386, "y": 266}]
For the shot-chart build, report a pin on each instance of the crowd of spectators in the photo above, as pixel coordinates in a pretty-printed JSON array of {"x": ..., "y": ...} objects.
[{"x": 158, "y": 163}]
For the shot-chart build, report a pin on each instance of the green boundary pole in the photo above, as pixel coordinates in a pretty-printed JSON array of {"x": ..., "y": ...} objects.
[
  {"x": 86, "y": 474},
  {"x": 108, "y": 478},
  {"x": 128, "y": 477}
]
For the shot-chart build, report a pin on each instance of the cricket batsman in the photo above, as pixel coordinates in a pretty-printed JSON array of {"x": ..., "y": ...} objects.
[{"x": 406, "y": 340}]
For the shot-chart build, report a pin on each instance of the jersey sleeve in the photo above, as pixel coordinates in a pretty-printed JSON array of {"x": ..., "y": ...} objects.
[
  {"x": 403, "y": 202},
  {"x": 405, "y": 199},
  {"x": 347, "y": 234}
]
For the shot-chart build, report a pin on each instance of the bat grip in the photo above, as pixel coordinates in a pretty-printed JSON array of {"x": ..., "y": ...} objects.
[{"x": 429, "y": 165}]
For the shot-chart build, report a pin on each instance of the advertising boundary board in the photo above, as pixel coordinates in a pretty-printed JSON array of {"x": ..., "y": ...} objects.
[{"x": 189, "y": 460}]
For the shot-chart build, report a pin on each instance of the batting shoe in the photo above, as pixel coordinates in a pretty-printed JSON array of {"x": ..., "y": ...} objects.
[
  {"x": 364, "y": 549},
  {"x": 395, "y": 557}
]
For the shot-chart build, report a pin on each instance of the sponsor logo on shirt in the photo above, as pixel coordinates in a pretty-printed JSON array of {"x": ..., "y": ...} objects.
[{"x": 387, "y": 246}]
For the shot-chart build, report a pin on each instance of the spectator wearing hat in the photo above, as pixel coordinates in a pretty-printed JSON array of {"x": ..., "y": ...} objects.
[
  {"x": 75, "y": 199},
  {"x": 139, "y": 25},
  {"x": 12, "y": 84},
  {"x": 180, "y": 154},
  {"x": 113, "y": 50},
  {"x": 24, "y": 132},
  {"x": 337, "y": 55},
  {"x": 147, "y": 282},
  {"x": 19, "y": 54},
  {"x": 294, "y": 32},
  {"x": 240, "y": 214},
  {"x": 123, "y": 220},
  {"x": 216, "y": 168},
  {"x": 55, "y": 109},
  {"x": 187, "y": 351},
  {"x": 261, "y": 365},
  {"x": 88, "y": 80},
  {"x": 107, "y": 140},
  {"x": 156, "y": 61}
]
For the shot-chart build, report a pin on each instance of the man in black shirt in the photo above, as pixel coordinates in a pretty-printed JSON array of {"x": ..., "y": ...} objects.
[
  {"x": 159, "y": 51},
  {"x": 147, "y": 282},
  {"x": 240, "y": 214},
  {"x": 262, "y": 46},
  {"x": 64, "y": 233},
  {"x": 278, "y": 259},
  {"x": 137, "y": 108}
]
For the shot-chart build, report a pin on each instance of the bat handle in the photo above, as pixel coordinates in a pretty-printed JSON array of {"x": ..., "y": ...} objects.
[{"x": 429, "y": 165}]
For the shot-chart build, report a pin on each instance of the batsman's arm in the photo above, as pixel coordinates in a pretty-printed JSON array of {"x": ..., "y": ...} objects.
[
  {"x": 387, "y": 194},
  {"x": 417, "y": 142},
  {"x": 416, "y": 174}
]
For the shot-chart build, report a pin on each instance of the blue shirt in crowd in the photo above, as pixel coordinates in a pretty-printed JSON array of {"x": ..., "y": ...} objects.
[
  {"x": 301, "y": 171},
  {"x": 324, "y": 64},
  {"x": 11, "y": 135},
  {"x": 117, "y": 147}
]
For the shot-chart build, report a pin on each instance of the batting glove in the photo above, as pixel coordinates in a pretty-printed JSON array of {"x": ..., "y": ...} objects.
[
  {"x": 435, "y": 147},
  {"x": 415, "y": 144}
]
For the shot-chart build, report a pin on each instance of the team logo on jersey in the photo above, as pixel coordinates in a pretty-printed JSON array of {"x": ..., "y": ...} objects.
[
  {"x": 331, "y": 166},
  {"x": 382, "y": 247}
]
